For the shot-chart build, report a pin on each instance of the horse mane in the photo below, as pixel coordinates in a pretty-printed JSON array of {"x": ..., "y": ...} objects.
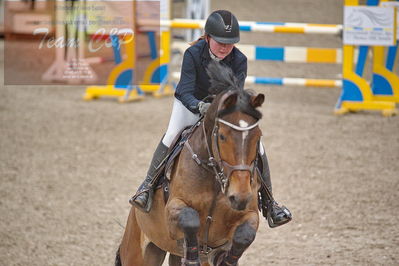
[{"x": 222, "y": 80}]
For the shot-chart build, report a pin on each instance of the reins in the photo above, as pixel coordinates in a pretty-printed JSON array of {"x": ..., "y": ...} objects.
[{"x": 210, "y": 166}]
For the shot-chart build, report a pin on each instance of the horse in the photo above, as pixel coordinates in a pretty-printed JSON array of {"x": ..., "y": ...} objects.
[{"x": 211, "y": 215}]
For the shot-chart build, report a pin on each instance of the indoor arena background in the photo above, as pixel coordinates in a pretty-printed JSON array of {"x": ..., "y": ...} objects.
[{"x": 68, "y": 167}]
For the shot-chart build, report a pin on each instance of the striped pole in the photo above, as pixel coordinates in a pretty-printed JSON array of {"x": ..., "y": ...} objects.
[
  {"x": 288, "y": 27},
  {"x": 289, "y": 54},
  {"x": 292, "y": 54},
  {"x": 327, "y": 83},
  {"x": 253, "y": 26},
  {"x": 331, "y": 83}
]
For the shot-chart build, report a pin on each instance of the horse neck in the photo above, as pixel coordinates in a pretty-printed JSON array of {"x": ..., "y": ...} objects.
[{"x": 209, "y": 123}]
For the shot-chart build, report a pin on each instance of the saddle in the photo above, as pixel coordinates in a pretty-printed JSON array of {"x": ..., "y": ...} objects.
[{"x": 162, "y": 175}]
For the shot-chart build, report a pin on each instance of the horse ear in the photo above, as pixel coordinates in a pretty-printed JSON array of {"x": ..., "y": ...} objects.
[
  {"x": 230, "y": 101},
  {"x": 257, "y": 100}
]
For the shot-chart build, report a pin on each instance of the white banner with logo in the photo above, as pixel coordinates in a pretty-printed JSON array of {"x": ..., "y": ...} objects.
[{"x": 364, "y": 25}]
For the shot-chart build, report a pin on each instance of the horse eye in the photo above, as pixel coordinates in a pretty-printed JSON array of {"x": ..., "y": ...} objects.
[{"x": 222, "y": 137}]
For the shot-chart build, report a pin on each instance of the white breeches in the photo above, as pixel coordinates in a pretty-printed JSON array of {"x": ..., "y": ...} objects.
[{"x": 180, "y": 118}]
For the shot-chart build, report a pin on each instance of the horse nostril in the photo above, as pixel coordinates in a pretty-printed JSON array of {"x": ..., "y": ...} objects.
[
  {"x": 232, "y": 198},
  {"x": 237, "y": 203}
]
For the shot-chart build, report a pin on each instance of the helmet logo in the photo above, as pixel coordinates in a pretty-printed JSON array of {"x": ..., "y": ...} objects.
[{"x": 227, "y": 28}]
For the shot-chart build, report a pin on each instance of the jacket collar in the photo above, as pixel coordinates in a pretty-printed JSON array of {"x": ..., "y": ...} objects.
[{"x": 206, "y": 57}]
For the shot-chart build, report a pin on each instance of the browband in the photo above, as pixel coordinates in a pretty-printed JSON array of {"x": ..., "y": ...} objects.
[{"x": 237, "y": 127}]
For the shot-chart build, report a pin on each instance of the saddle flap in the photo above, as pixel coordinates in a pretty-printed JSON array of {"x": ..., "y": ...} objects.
[
  {"x": 164, "y": 170},
  {"x": 176, "y": 148}
]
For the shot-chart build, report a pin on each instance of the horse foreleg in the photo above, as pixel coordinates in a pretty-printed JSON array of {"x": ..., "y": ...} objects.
[
  {"x": 186, "y": 220},
  {"x": 189, "y": 223},
  {"x": 242, "y": 239},
  {"x": 153, "y": 255}
]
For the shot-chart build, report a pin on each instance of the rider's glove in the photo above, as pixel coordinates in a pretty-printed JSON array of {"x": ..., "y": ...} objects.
[{"x": 203, "y": 107}]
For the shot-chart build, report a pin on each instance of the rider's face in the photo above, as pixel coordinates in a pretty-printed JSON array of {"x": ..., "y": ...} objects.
[{"x": 221, "y": 50}]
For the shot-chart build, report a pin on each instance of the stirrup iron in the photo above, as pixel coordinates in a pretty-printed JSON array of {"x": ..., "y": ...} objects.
[
  {"x": 284, "y": 209},
  {"x": 148, "y": 206}
]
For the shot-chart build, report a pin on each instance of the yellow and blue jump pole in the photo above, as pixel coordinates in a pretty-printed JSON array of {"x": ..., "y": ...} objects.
[
  {"x": 253, "y": 26},
  {"x": 385, "y": 83},
  {"x": 120, "y": 81},
  {"x": 156, "y": 75}
]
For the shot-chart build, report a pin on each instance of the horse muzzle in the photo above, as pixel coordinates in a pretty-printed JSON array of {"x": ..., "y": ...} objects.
[{"x": 239, "y": 202}]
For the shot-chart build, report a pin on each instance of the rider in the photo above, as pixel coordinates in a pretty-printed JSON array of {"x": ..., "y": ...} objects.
[{"x": 221, "y": 33}]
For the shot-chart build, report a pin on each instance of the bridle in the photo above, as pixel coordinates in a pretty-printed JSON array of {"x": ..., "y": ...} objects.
[
  {"x": 217, "y": 165},
  {"x": 220, "y": 167}
]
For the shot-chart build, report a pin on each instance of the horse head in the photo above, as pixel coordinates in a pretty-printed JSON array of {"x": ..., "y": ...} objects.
[{"x": 233, "y": 135}]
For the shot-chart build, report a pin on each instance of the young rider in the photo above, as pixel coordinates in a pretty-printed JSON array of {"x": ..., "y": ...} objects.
[{"x": 221, "y": 33}]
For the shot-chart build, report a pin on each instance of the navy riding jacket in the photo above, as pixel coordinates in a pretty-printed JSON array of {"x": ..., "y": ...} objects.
[{"x": 194, "y": 81}]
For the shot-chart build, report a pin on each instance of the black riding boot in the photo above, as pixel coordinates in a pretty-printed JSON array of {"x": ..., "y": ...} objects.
[
  {"x": 143, "y": 197},
  {"x": 274, "y": 214}
]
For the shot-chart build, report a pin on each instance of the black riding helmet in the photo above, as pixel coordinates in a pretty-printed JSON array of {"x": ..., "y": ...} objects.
[{"x": 223, "y": 27}]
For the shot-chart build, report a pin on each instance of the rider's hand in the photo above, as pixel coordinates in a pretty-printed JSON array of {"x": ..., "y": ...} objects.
[{"x": 203, "y": 107}]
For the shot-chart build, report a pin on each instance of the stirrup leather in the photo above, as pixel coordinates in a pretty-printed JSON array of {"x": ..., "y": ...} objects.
[{"x": 267, "y": 203}]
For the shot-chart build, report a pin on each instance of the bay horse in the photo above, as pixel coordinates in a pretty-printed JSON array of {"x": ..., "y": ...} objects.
[{"x": 211, "y": 216}]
